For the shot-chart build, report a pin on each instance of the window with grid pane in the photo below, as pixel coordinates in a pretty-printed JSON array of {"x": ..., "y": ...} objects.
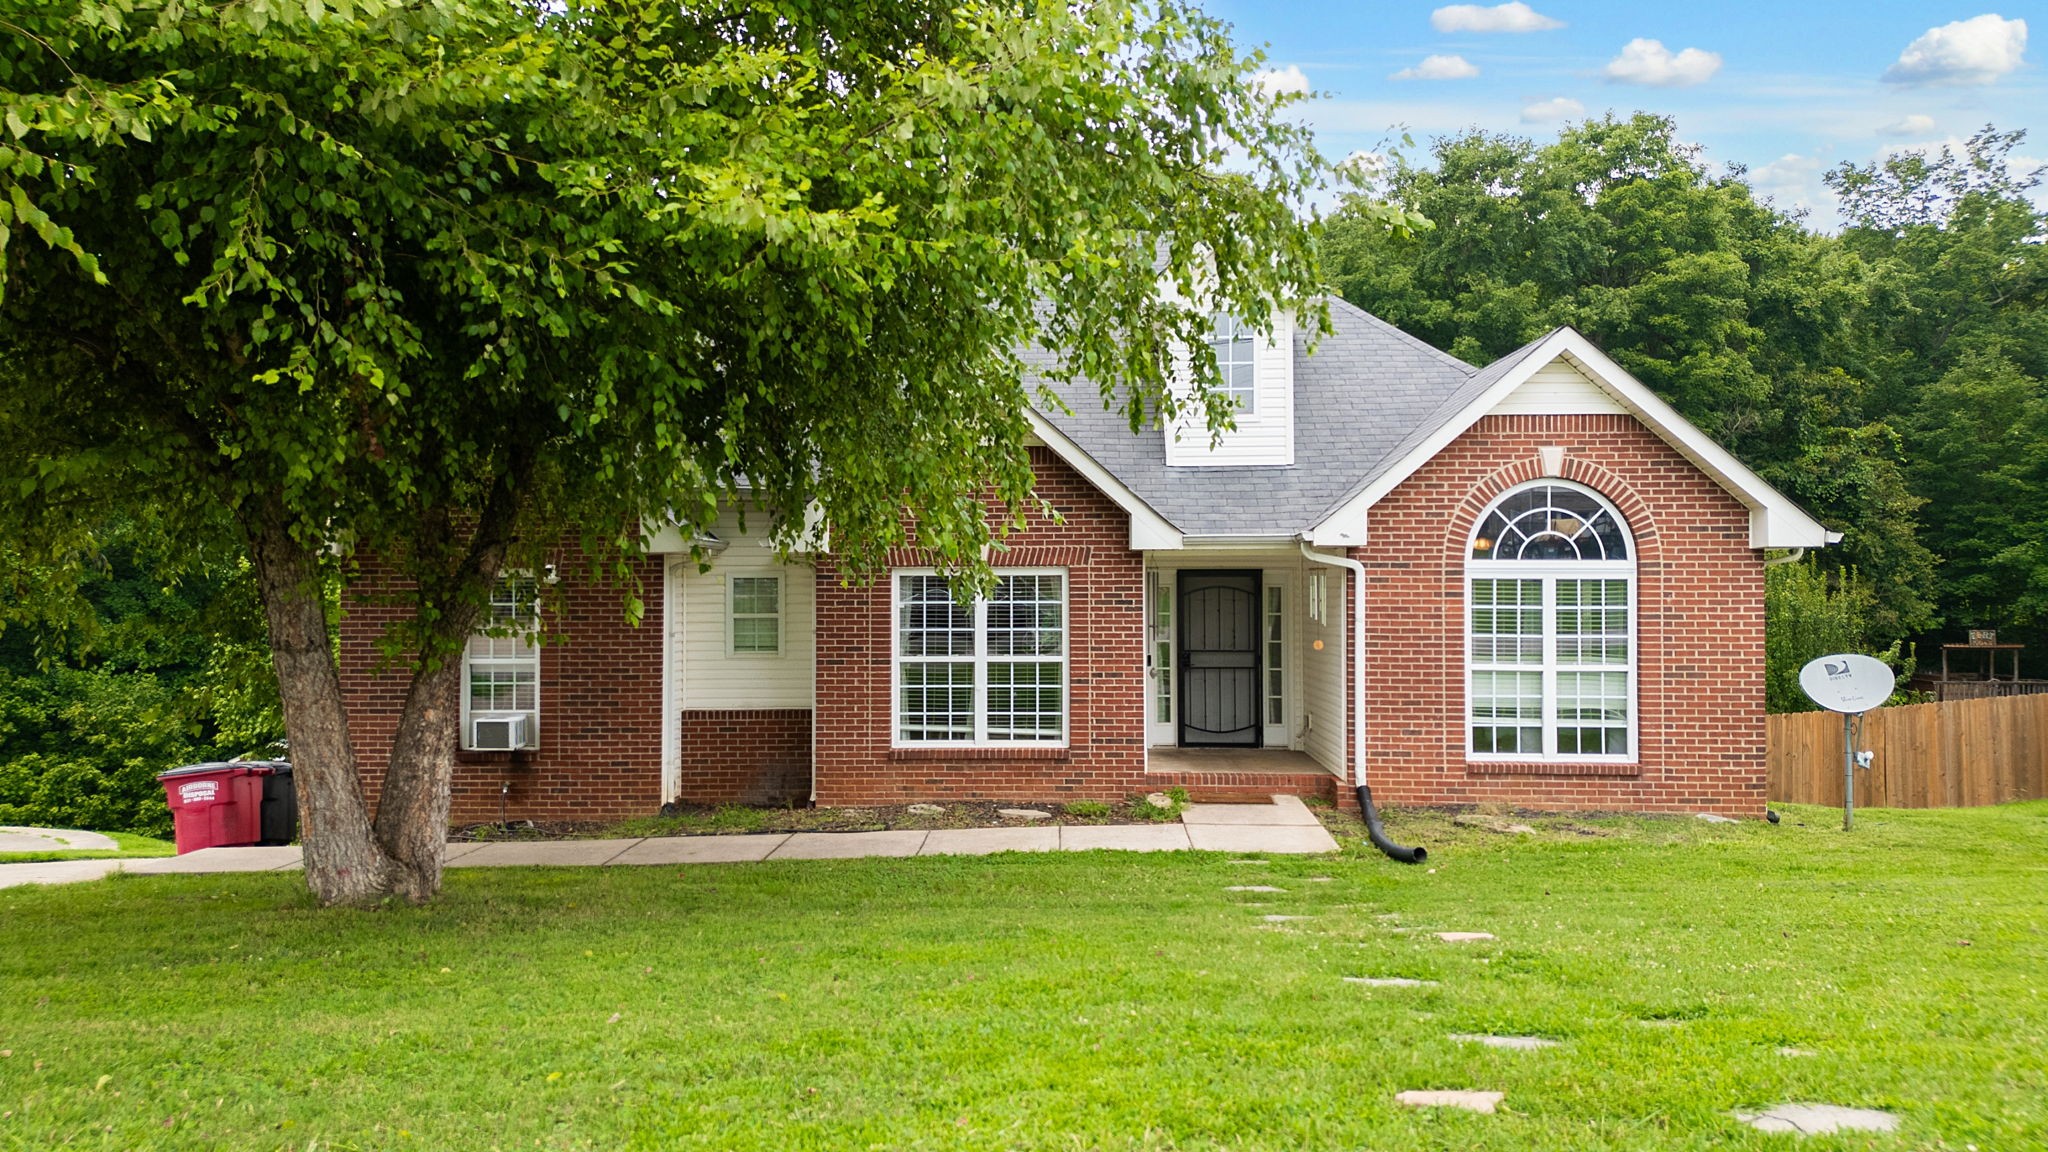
[
  {"x": 993, "y": 672},
  {"x": 1276, "y": 655},
  {"x": 1550, "y": 630},
  {"x": 501, "y": 663},
  {"x": 1236, "y": 361},
  {"x": 756, "y": 614}
]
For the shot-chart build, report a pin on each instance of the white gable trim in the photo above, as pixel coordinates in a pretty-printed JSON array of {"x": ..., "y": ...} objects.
[
  {"x": 1149, "y": 530},
  {"x": 1774, "y": 520}
]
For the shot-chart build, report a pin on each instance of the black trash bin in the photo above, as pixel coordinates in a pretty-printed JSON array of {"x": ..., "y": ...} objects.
[{"x": 280, "y": 803}]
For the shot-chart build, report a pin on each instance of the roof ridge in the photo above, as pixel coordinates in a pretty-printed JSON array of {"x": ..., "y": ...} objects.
[{"x": 1405, "y": 336}]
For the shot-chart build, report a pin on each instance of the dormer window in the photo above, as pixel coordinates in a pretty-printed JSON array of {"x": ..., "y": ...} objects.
[{"x": 1231, "y": 341}]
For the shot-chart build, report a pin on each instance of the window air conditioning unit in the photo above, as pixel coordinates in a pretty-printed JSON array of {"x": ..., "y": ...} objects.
[{"x": 499, "y": 734}]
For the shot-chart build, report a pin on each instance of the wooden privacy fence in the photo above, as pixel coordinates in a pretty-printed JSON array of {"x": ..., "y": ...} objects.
[{"x": 1955, "y": 754}]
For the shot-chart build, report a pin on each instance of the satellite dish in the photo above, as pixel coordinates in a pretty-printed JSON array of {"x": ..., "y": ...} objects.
[{"x": 1847, "y": 683}]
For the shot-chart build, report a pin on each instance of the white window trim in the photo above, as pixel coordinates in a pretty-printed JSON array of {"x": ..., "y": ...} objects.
[
  {"x": 1271, "y": 583},
  {"x": 1164, "y": 686},
  {"x": 467, "y": 736},
  {"x": 1550, "y": 572},
  {"x": 981, "y": 660},
  {"x": 732, "y": 616},
  {"x": 1226, "y": 334}
]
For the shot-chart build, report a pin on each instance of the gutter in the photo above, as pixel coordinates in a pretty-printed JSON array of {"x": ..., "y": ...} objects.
[{"x": 1373, "y": 830}]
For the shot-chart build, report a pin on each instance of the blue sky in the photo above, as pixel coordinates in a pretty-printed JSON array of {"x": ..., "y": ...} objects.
[{"x": 1789, "y": 88}]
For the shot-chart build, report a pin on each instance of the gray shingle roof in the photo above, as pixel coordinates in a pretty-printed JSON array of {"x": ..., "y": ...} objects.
[{"x": 1367, "y": 395}]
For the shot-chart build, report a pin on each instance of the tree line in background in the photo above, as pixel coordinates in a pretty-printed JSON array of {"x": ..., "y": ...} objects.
[
  {"x": 1892, "y": 377},
  {"x": 113, "y": 671}
]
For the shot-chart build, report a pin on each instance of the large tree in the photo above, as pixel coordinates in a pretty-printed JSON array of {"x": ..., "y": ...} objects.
[
  {"x": 1956, "y": 339},
  {"x": 1746, "y": 321},
  {"x": 437, "y": 283}
]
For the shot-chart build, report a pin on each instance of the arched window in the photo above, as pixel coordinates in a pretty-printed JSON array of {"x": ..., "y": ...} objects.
[{"x": 1550, "y": 628}]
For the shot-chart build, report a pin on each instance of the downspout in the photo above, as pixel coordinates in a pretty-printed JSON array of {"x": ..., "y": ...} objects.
[
  {"x": 1373, "y": 831},
  {"x": 1792, "y": 557}
]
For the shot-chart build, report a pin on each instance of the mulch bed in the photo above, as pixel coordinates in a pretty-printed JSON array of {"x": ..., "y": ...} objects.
[{"x": 692, "y": 820}]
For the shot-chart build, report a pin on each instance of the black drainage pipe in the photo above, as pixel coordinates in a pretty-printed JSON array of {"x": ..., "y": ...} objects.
[{"x": 1378, "y": 834}]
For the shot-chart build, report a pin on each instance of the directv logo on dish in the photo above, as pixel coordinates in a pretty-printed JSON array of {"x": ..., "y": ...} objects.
[{"x": 1847, "y": 682}]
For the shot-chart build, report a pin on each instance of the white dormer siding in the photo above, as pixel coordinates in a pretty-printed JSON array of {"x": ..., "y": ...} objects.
[
  {"x": 1265, "y": 434},
  {"x": 1558, "y": 389}
]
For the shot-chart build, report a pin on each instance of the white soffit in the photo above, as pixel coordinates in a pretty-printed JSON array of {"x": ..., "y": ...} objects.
[{"x": 1774, "y": 520}]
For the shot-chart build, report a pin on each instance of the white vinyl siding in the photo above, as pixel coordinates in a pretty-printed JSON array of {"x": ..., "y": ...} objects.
[
  {"x": 1558, "y": 389},
  {"x": 1264, "y": 435},
  {"x": 988, "y": 674},
  {"x": 1324, "y": 672},
  {"x": 501, "y": 664},
  {"x": 712, "y": 673}
]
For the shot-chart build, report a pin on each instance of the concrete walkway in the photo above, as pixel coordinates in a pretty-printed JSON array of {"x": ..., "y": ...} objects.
[{"x": 1284, "y": 826}]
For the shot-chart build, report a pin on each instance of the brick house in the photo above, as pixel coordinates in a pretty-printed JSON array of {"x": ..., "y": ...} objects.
[{"x": 1532, "y": 583}]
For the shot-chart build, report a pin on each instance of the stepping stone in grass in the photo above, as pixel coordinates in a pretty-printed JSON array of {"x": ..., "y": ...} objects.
[
  {"x": 927, "y": 810},
  {"x": 1816, "y": 1119},
  {"x": 1713, "y": 818},
  {"x": 1389, "y": 982},
  {"x": 1315, "y": 879},
  {"x": 1253, "y": 888},
  {"x": 1518, "y": 1043},
  {"x": 1024, "y": 813},
  {"x": 1247, "y": 861},
  {"x": 1279, "y": 919},
  {"x": 1463, "y": 937},
  {"x": 1481, "y": 1102},
  {"x": 1795, "y": 1052}
]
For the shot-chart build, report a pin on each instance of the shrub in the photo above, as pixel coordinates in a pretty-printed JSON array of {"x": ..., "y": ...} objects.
[
  {"x": 1811, "y": 612},
  {"x": 1088, "y": 810},
  {"x": 1176, "y": 801}
]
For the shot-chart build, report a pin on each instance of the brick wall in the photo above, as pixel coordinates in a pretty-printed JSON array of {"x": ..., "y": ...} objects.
[
  {"x": 746, "y": 756},
  {"x": 600, "y": 707},
  {"x": 1105, "y": 753},
  {"x": 1699, "y": 626}
]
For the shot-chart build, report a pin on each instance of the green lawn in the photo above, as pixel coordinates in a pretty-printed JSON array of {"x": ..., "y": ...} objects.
[
  {"x": 132, "y": 847},
  {"x": 1063, "y": 1001}
]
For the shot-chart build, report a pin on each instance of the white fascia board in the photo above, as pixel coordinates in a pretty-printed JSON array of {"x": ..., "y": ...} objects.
[
  {"x": 665, "y": 536},
  {"x": 1150, "y": 532},
  {"x": 1238, "y": 543},
  {"x": 1774, "y": 522}
]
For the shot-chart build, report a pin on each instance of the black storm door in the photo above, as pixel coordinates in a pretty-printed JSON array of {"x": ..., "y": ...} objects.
[{"x": 1219, "y": 658}]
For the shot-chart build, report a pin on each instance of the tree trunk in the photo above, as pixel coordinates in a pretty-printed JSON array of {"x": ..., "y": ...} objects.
[
  {"x": 412, "y": 810},
  {"x": 344, "y": 862}
]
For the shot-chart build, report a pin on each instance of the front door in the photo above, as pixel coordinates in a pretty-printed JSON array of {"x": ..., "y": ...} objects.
[{"x": 1219, "y": 658}]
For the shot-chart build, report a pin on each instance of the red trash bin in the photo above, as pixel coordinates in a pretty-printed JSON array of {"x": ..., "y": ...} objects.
[{"x": 216, "y": 805}]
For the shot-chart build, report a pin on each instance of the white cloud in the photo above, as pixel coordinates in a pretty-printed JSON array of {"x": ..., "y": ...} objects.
[
  {"x": 1650, "y": 62},
  {"x": 1290, "y": 79},
  {"x": 1794, "y": 181},
  {"x": 1914, "y": 125},
  {"x": 1974, "y": 51},
  {"x": 1513, "y": 17},
  {"x": 1439, "y": 68},
  {"x": 1553, "y": 111}
]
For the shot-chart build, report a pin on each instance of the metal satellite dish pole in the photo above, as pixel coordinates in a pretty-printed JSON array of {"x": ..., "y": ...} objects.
[{"x": 1852, "y": 685}]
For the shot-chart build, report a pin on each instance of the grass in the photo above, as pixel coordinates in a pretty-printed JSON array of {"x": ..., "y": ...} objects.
[
  {"x": 132, "y": 847},
  {"x": 1063, "y": 1001}
]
